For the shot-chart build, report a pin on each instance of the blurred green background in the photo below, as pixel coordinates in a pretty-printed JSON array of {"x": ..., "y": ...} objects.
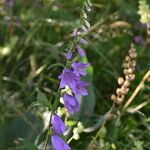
[{"x": 33, "y": 37}]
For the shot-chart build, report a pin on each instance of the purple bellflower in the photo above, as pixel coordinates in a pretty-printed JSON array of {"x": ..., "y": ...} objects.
[
  {"x": 58, "y": 143},
  {"x": 58, "y": 125},
  {"x": 71, "y": 104},
  {"x": 79, "y": 68},
  {"x": 80, "y": 88},
  {"x": 81, "y": 51},
  {"x": 68, "y": 78}
]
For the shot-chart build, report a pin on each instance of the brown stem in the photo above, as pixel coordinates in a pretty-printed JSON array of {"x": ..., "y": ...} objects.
[{"x": 141, "y": 84}]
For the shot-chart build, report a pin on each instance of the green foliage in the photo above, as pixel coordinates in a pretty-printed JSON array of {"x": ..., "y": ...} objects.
[{"x": 33, "y": 37}]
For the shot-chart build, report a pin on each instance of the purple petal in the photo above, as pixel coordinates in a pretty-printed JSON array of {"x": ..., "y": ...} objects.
[
  {"x": 81, "y": 51},
  {"x": 57, "y": 124},
  {"x": 71, "y": 104},
  {"x": 79, "y": 68},
  {"x": 84, "y": 28},
  {"x": 69, "y": 55},
  {"x": 83, "y": 41},
  {"x": 58, "y": 143}
]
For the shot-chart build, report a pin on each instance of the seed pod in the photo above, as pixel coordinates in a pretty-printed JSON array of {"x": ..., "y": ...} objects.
[
  {"x": 124, "y": 90},
  {"x": 113, "y": 97},
  {"x": 128, "y": 58},
  {"x": 130, "y": 70},
  {"x": 132, "y": 77},
  {"x": 127, "y": 77},
  {"x": 120, "y": 100},
  {"x": 126, "y": 83},
  {"x": 118, "y": 91},
  {"x": 125, "y": 71},
  {"x": 120, "y": 80},
  {"x": 133, "y": 63},
  {"x": 133, "y": 55}
]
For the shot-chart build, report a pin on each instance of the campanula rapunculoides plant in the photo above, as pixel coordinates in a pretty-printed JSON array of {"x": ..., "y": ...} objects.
[{"x": 71, "y": 86}]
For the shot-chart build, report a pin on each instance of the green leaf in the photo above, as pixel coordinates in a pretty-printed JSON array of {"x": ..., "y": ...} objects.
[
  {"x": 41, "y": 100},
  {"x": 28, "y": 145},
  {"x": 87, "y": 103}
]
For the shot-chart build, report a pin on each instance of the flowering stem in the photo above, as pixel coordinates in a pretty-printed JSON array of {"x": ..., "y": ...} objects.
[
  {"x": 141, "y": 84},
  {"x": 49, "y": 125}
]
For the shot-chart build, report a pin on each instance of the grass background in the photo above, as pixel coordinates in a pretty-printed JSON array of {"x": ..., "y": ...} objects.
[{"x": 33, "y": 37}]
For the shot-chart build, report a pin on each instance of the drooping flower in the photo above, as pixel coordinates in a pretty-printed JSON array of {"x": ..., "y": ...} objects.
[
  {"x": 57, "y": 124},
  {"x": 58, "y": 143},
  {"x": 71, "y": 104},
  {"x": 80, "y": 88},
  {"x": 81, "y": 51},
  {"x": 79, "y": 68},
  {"x": 69, "y": 55},
  {"x": 68, "y": 78},
  {"x": 83, "y": 41}
]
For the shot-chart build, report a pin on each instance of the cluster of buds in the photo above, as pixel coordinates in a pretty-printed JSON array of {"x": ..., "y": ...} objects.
[{"x": 124, "y": 82}]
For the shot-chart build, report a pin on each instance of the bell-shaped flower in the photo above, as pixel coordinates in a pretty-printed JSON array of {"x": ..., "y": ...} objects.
[
  {"x": 57, "y": 124},
  {"x": 68, "y": 78},
  {"x": 79, "y": 68},
  {"x": 71, "y": 104},
  {"x": 58, "y": 143},
  {"x": 80, "y": 88}
]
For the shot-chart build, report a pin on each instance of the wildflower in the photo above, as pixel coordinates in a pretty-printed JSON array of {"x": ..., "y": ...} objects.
[
  {"x": 69, "y": 55},
  {"x": 68, "y": 78},
  {"x": 71, "y": 104},
  {"x": 83, "y": 41},
  {"x": 79, "y": 68},
  {"x": 81, "y": 51},
  {"x": 58, "y": 125},
  {"x": 58, "y": 143},
  {"x": 80, "y": 88},
  {"x": 138, "y": 39}
]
